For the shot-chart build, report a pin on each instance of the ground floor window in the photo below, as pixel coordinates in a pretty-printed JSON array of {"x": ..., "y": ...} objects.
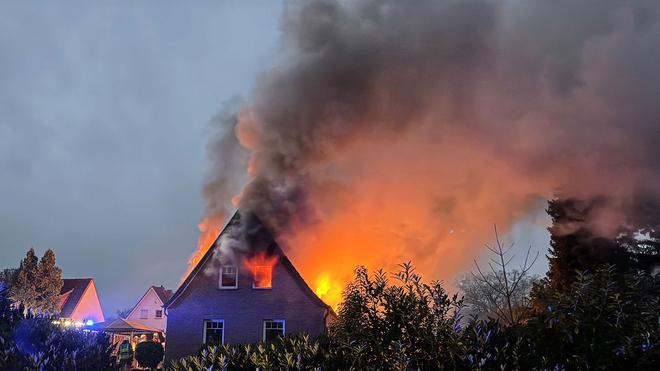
[
  {"x": 273, "y": 329},
  {"x": 214, "y": 331}
]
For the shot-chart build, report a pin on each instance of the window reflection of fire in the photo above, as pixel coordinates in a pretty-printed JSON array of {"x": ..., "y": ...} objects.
[
  {"x": 263, "y": 276},
  {"x": 261, "y": 267}
]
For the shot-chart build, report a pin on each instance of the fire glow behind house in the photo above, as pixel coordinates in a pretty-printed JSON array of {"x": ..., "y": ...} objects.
[{"x": 390, "y": 131}]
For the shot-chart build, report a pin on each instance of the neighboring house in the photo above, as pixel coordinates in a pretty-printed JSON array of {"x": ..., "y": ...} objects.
[
  {"x": 244, "y": 290},
  {"x": 149, "y": 310},
  {"x": 79, "y": 302}
]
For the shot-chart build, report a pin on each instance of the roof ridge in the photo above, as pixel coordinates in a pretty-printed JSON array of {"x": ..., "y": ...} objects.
[
  {"x": 201, "y": 261},
  {"x": 238, "y": 215}
]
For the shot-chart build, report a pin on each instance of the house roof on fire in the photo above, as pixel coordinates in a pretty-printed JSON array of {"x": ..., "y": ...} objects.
[
  {"x": 241, "y": 219},
  {"x": 71, "y": 293}
]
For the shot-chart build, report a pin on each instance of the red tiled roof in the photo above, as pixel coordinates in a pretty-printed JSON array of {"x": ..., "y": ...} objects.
[
  {"x": 163, "y": 293},
  {"x": 71, "y": 293}
]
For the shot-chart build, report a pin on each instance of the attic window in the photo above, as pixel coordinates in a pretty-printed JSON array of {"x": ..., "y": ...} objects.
[
  {"x": 263, "y": 277},
  {"x": 228, "y": 277},
  {"x": 159, "y": 313},
  {"x": 144, "y": 313}
]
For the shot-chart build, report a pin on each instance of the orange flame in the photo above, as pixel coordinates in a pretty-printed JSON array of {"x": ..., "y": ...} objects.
[
  {"x": 328, "y": 290},
  {"x": 209, "y": 229},
  {"x": 261, "y": 267}
]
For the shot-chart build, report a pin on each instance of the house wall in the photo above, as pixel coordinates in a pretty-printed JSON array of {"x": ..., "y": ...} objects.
[
  {"x": 89, "y": 306},
  {"x": 243, "y": 310},
  {"x": 152, "y": 303}
]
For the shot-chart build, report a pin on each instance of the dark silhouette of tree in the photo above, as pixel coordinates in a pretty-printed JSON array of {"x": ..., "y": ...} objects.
[
  {"x": 123, "y": 313},
  {"x": 36, "y": 284},
  {"x": 24, "y": 290},
  {"x": 576, "y": 247},
  {"x": 400, "y": 325},
  {"x": 49, "y": 283},
  {"x": 7, "y": 278},
  {"x": 500, "y": 292}
]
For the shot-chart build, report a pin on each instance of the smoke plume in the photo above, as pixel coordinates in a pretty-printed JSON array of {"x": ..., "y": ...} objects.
[{"x": 396, "y": 130}]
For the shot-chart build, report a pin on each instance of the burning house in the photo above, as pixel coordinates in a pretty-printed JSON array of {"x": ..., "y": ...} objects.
[{"x": 244, "y": 289}]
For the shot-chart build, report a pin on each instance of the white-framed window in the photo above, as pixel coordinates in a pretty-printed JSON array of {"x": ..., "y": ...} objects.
[
  {"x": 263, "y": 277},
  {"x": 159, "y": 313},
  {"x": 214, "y": 331},
  {"x": 144, "y": 313},
  {"x": 273, "y": 328},
  {"x": 228, "y": 277}
]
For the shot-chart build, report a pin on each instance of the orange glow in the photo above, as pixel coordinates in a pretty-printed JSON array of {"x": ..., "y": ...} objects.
[
  {"x": 261, "y": 267},
  {"x": 209, "y": 229},
  {"x": 402, "y": 207},
  {"x": 328, "y": 290}
]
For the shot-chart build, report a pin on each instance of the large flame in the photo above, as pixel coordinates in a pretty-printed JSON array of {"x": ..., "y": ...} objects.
[
  {"x": 209, "y": 229},
  {"x": 261, "y": 267}
]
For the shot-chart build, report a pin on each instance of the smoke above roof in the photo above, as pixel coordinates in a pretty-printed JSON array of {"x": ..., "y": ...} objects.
[{"x": 390, "y": 130}]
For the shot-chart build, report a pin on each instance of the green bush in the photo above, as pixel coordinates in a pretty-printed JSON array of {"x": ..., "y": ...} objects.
[
  {"x": 288, "y": 353},
  {"x": 604, "y": 320},
  {"x": 400, "y": 325},
  {"x": 34, "y": 343}
]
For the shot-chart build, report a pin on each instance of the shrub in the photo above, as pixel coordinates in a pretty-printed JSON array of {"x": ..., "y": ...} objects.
[
  {"x": 289, "y": 353},
  {"x": 603, "y": 321},
  {"x": 400, "y": 325},
  {"x": 33, "y": 343}
]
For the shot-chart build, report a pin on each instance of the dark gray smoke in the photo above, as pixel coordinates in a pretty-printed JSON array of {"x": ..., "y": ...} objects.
[{"x": 427, "y": 121}]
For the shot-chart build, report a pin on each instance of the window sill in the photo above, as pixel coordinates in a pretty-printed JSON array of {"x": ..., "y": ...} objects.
[
  {"x": 228, "y": 287},
  {"x": 262, "y": 288}
]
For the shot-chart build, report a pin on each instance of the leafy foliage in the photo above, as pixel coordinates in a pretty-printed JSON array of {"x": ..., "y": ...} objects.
[
  {"x": 405, "y": 324},
  {"x": 602, "y": 321},
  {"x": 23, "y": 290},
  {"x": 289, "y": 353},
  {"x": 49, "y": 283},
  {"x": 36, "y": 284},
  {"x": 29, "y": 342}
]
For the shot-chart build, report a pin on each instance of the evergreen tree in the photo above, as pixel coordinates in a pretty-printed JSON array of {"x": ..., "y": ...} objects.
[
  {"x": 7, "y": 277},
  {"x": 48, "y": 283},
  {"x": 575, "y": 247},
  {"x": 24, "y": 290}
]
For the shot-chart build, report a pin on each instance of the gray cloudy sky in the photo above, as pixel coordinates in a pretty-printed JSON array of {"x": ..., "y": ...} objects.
[{"x": 103, "y": 113}]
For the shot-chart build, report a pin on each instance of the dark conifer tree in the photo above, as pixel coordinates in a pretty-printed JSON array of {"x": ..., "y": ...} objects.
[
  {"x": 49, "y": 283},
  {"x": 24, "y": 290},
  {"x": 573, "y": 244}
]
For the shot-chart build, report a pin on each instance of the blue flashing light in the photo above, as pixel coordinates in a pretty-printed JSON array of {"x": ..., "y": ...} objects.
[{"x": 89, "y": 322}]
